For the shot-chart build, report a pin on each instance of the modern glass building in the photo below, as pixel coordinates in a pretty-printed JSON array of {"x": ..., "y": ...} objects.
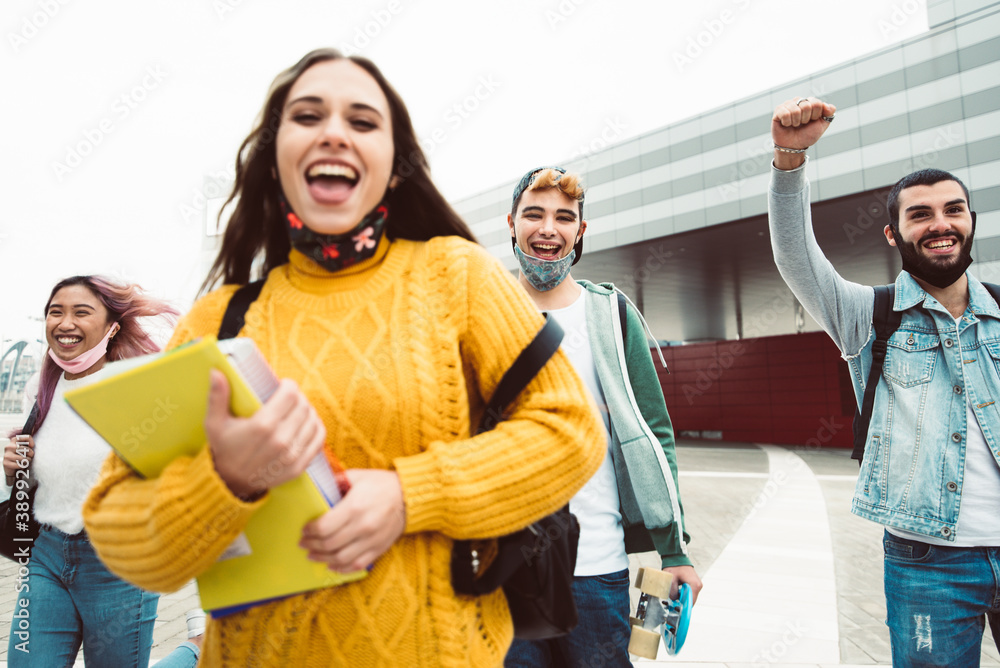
[{"x": 677, "y": 216}]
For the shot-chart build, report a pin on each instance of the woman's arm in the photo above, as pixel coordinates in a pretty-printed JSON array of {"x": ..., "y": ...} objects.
[
  {"x": 493, "y": 484},
  {"x": 534, "y": 461},
  {"x": 160, "y": 533}
]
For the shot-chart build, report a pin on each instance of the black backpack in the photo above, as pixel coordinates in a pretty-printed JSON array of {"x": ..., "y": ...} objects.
[{"x": 885, "y": 321}]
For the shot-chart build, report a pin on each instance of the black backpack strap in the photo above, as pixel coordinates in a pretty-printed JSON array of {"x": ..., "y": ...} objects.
[
  {"x": 235, "y": 316},
  {"x": 29, "y": 424},
  {"x": 525, "y": 367},
  {"x": 885, "y": 321},
  {"x": 622, "y": 313},
  {"x": 994, "y": 291}
]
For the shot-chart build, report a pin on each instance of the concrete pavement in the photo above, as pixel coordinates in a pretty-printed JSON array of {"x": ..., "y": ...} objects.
[{"x": 791, "y": 577}]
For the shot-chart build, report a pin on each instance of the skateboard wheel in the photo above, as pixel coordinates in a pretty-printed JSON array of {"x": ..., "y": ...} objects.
[
  {"x": 644, "y": 643},
  {"x": 654, "y": 582}
]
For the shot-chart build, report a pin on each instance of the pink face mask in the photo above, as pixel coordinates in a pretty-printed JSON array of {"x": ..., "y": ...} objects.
[{"x": 85, "y": 360}]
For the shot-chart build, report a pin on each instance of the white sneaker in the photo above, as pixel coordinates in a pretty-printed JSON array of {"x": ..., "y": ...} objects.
[{"x": 195, "y": 623}]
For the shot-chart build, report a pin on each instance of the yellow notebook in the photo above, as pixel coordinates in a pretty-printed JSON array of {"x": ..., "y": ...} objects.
[{"x": 151, "y": 410}]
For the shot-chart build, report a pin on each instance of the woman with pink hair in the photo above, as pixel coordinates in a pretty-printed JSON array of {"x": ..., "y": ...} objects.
[{"x": 68, "y": 597}]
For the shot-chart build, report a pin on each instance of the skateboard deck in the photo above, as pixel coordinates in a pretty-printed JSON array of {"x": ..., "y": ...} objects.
[{"x": 657, "y": 615}]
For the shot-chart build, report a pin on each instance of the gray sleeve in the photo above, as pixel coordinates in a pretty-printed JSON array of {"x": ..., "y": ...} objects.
[{"x": 842, "y": 308}]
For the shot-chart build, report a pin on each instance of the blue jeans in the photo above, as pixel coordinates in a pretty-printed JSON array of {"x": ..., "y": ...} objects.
[
  {"x": 184, "y": 655},
  {"x": 938, "y": 600},
  {"x": 600, "y": 639},
  {"x": 71, "y": 598}
]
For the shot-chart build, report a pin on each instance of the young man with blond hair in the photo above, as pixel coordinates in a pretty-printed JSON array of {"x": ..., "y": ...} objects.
[{"x": 632, "y": 504}]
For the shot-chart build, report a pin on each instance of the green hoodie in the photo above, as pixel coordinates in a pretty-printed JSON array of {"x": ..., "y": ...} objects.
[{"x": 642, "y": 437}]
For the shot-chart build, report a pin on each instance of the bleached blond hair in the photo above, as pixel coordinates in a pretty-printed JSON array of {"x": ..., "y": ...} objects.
[{"x": 568, "y": 183}]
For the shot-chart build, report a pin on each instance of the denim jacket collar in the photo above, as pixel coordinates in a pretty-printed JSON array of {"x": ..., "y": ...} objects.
[
  {"x": 980, "y": 301},
  {"x": 909, "y": 294}
]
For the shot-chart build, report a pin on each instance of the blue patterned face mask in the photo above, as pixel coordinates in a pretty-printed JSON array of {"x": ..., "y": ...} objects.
[{"x": 544, "y": 274}]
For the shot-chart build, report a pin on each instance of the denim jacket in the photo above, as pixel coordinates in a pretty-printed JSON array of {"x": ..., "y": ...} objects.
[{"x": 911, "y": 476}]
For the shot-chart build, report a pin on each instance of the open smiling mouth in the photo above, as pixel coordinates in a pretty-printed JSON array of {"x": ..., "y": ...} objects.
[
  {"x": 331, "y": 183},
  {"x": 546, "y": 251},
  {"x": 68, "y": 341},
  {"x": 940, "y": 245}
]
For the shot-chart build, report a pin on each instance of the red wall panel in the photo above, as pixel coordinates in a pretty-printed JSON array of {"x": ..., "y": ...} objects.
[{"x": 787, "y": 390}]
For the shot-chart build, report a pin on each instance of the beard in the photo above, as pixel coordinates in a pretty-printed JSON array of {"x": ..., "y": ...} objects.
[{"x": 938, "y": 271}]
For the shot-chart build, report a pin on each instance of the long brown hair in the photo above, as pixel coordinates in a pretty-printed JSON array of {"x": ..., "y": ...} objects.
[{"x": 419, "y": 211}]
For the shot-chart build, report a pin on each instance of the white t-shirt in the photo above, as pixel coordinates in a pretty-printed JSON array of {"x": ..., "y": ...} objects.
[
  {"x": 602, "y": 538},
  {"x": 68, "y": 459},
  {"x": 979, "y": 515}
]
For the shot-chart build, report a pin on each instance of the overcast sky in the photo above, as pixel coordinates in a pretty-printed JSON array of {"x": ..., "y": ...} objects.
[{"x": 115, "y": 112}]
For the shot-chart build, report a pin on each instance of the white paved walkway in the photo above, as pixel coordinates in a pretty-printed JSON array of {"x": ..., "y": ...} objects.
[{"x": 770, "y": 597}]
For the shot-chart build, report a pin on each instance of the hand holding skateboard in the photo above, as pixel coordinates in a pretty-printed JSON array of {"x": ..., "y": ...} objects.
[{"x": 659, "y": 615}]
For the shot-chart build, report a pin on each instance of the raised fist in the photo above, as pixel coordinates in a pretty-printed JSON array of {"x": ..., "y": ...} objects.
[{"x": 798, "y": 124}]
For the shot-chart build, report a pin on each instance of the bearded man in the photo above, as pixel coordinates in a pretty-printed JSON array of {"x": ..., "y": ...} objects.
[{"x": 929, "y": 471}]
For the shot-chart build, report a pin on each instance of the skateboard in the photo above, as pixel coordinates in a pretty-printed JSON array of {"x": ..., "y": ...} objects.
[{"x": 659, "y": 615}]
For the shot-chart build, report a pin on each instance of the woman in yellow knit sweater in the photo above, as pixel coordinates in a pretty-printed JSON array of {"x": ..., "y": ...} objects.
[{"x": 390, "y": 328}]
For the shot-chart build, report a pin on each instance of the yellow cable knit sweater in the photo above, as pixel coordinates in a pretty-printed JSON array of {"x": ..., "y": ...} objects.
[{"x": 396, "y": 355}]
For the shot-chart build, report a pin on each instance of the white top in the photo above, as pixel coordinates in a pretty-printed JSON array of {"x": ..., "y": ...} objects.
[
  {"x": 68, "y": 458},
  {"x": 602, "y": 538},
  {"x": 978, "y": 519}
]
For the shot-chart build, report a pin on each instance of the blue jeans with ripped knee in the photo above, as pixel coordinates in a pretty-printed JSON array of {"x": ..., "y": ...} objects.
[{"x": 937, "y": 600}]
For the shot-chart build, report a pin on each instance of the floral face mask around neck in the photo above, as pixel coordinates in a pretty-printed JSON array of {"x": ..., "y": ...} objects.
[{"x": 334, "y": 252}]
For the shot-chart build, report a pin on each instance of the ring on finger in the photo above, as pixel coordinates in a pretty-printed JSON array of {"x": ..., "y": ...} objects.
[
  {"x": 829, "y": 119},
  {"x": 800, "y": 101}
]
